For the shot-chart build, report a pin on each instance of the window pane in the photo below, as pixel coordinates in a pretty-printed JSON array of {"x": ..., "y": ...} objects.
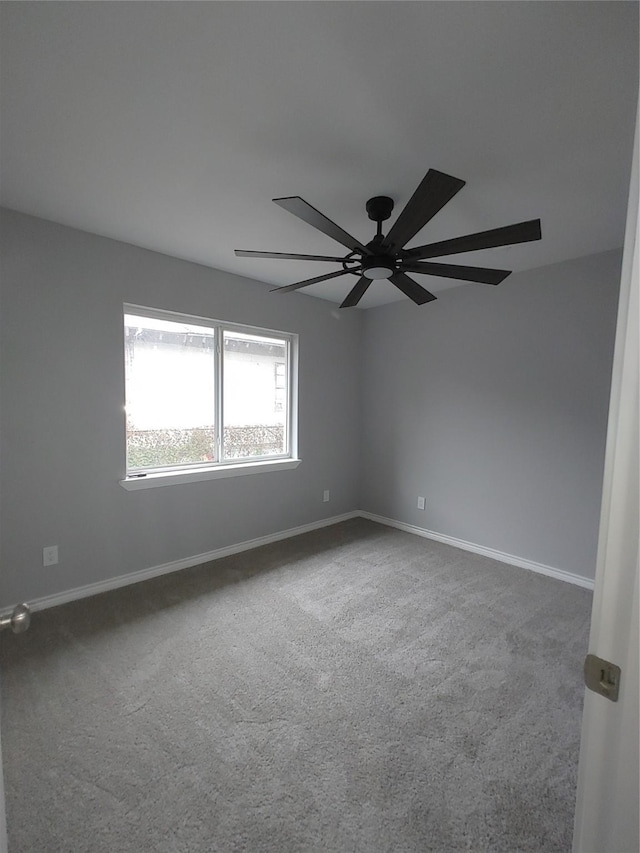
[
  {"x": 255, "y": 396},
  {"x": 170, "y": 392}
]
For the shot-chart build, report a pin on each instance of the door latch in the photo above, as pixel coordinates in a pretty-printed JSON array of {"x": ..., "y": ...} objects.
[{"x": 602, "y": 677}]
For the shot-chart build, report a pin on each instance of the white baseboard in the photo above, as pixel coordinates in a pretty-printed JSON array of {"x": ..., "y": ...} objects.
[
  {"x": 511, "y": 559},
  {"x": 186, "y": 563},
  {"x": 198, "y": 559}
]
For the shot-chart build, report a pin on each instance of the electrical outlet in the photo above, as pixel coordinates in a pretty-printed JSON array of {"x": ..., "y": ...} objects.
[
  {"x": 50, "y": 555},
  {"x": 420, "y": 503},
  {"x": 325, "y": 496}
]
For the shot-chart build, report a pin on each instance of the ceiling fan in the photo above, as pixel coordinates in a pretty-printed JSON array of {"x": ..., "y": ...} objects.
[{"x": 385, "y": 258}]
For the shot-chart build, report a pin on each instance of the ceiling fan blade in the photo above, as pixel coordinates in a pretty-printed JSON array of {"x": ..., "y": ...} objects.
[
  {"x": 521, "y": 232},
  {"x": 356, "y": 293},
  {"x": 435, "y": 190},
  {"x": 300, "y": 208},
  {"x": 480, "y": 274},
  {"x": 242, "y": 253},
  {"x": 411, "y": 288},
  {"x": 299, "y": 284}
]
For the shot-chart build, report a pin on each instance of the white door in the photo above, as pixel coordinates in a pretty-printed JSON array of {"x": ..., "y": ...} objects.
[
  {"x": 18, "y": 621},
  {"x": 608, "y": 788},
  {"x": 3, "y": 819}
]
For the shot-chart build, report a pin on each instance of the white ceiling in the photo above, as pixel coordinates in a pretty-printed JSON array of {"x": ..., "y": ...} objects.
[{"x": 172, "y": 125}]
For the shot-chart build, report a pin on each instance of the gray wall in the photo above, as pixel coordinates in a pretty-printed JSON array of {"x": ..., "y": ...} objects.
[
  {"x": 492, "y": 403},
  {"x": 62, "y": 425}
]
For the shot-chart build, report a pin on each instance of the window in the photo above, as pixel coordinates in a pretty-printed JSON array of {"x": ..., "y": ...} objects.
[{"x": 203, "y": 394}]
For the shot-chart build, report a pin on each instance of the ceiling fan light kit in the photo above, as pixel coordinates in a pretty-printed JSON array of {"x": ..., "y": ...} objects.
[
  {"x": 386, "y": 258},
  {"x": 377, "y": 267}
]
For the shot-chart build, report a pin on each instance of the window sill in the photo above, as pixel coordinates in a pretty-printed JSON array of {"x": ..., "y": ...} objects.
[{"x": 171, "y": 478}]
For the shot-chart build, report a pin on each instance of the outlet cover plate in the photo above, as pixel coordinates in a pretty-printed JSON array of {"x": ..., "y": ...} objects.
[{"x": 50, "y": 555}]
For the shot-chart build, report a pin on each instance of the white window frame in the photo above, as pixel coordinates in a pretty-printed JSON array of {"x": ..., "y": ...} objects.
[{"x": 148, "y": 478}]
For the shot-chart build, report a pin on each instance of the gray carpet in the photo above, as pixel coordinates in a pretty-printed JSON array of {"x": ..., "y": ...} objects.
[{"x": 352, "y": 690}]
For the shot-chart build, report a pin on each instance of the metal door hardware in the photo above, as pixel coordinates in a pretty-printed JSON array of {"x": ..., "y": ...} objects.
[
  {"x": 18, "y": 621},
  {"x": 602, "y": 677}
]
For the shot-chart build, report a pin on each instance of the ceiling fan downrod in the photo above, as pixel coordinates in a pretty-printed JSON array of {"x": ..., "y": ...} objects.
[{"x": 380, "y": 264}]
